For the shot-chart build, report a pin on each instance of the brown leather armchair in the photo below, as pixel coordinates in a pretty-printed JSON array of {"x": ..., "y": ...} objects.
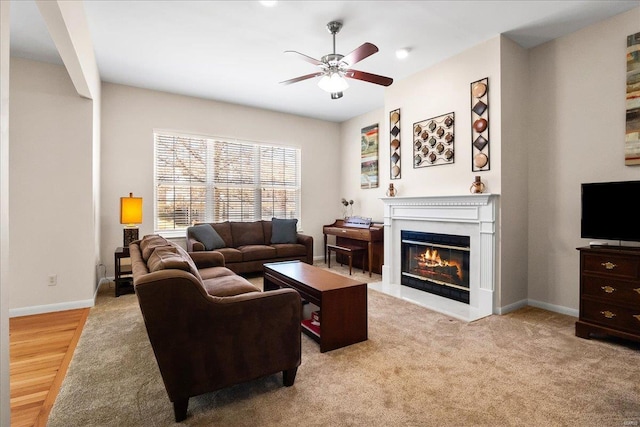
[{"x": 216, "y": 330}]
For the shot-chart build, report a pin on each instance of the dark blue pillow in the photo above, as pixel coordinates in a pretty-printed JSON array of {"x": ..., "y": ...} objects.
[
  {"x": 284, "y": 230},
  {"x": 206, "y": 235}
]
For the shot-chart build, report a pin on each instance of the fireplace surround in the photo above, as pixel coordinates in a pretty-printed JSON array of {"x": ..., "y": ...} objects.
[{"x": 471, "y": 216}]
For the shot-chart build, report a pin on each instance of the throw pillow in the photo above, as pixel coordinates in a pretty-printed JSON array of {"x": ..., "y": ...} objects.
[
  {"x": 209, "y": 237},
  {"x": 284, "y": 230},
  {"x": 149, "y": 243},
  {"x": 164, "y": 258}
]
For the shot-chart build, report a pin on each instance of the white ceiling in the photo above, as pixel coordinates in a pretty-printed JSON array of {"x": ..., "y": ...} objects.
[{"x": 233, "y": 51}]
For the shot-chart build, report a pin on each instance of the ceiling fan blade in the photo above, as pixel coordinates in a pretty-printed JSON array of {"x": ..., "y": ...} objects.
[
  {"x": 360, "y": 53},
  {"x": 301, "y": 78},
  {"x": 305, "y": 57},
  {"x": 368, "y": 77}
]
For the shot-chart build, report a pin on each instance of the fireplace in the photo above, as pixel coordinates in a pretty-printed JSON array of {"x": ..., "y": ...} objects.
[
  {"x": 468, "y": 296},
  {"x": 436, "y": 263}
]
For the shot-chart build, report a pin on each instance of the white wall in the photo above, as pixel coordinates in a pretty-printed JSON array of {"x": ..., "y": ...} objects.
[
  {"x": 576, "y": 134},
  {"x": 130, "y": 115},
  {"x": 5, "y": 412},
  {"x": 51, "y": 129},
  {"x": 366, "y": 201},
  {"x": 438, "y": 90},
  {"x": 512, "y": 261}
]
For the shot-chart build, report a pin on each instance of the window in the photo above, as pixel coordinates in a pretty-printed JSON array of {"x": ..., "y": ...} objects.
[{"x": 206, "y": 179}]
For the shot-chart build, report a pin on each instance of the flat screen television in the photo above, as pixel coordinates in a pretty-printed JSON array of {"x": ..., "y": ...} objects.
[{"x": 610, "y": 212}]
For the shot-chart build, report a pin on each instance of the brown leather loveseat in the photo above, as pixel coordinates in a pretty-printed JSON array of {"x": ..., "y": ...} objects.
[
  {"x": 210, "y": 328},
  {"x": 246, "y": 246}
]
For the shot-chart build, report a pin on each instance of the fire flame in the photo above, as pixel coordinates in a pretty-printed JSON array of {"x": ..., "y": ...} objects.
[{"x": 431, "y": 258}]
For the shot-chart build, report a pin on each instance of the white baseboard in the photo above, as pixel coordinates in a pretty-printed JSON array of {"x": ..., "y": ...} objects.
[
  {"x": 555, "y": 308},
  {"x": 103, "y": 281},
  {"x": 50, "y": 308},
  {"x": 512, "y": 307},
  {"x": 538, "y": 304}
]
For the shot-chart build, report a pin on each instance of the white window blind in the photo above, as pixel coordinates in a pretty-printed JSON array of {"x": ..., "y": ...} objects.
[{"x": 201, "y": 179}]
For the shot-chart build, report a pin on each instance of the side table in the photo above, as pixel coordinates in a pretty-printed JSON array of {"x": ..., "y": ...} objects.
[{"x": 123, "y": 277}]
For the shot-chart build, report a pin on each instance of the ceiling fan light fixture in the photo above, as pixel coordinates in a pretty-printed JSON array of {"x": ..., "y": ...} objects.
[{"x": 333, "y": 83}]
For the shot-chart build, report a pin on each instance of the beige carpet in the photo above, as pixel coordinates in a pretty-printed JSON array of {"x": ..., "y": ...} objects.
[{"x": 418, "y": 368}]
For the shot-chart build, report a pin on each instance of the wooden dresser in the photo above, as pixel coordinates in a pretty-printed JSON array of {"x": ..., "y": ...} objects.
[{"x": 609, "y": 292}]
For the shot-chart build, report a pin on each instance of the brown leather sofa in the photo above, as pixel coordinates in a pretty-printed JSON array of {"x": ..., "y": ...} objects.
[
  {"x": 210, "y": 328},
  {"x": 246, "y": 246}
]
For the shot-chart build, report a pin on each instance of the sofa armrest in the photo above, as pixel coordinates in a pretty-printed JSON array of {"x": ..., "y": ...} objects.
[
  {"x": 307, "y": 241},
  {"x": 206, "y": 259},
  {"x": 194, "y": 245}
]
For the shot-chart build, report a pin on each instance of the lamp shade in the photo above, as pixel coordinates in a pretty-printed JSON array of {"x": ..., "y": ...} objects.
[
  {"x": 130, "y": 210},
  {"x": 333, "y": 83}
]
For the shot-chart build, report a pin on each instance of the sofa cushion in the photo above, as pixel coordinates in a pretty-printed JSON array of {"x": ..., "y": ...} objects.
[
  {"x": 284, "y": 230},
  {"x": 290, "y": 250},
  {"x": 247, "y": 233},
  {"x": 213, "y": 272},
  {"x": 224, "y": 230},
  {"x": 207, "y": 235},
  {"x": 167, "y": 257},
  {"x": 230, "y": 255},
  {"x": 185, "y": 255},
  {"x": 227, "y": 286},
  {"x": 257, "y": 252},
  {"x": 149, "y": 243}
]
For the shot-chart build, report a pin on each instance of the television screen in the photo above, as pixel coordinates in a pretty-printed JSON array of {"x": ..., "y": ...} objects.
[{"x": 609, "y": 210}]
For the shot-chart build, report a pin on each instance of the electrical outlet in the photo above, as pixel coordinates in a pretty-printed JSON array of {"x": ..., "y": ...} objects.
[{"x": 53, "y": 279}]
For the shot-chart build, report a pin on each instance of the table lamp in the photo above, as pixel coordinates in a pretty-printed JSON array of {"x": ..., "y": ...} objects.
[{"x": 130, "y": 214}]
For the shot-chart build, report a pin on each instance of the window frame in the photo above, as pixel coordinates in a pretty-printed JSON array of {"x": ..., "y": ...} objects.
[{"x": 209, "y": 184}]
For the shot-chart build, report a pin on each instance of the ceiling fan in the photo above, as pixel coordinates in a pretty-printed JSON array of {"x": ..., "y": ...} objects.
[{"x": 335, "y": 67}]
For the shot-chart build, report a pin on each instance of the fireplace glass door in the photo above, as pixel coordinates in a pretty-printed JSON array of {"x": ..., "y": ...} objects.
[{"x": 436, "y": 263}]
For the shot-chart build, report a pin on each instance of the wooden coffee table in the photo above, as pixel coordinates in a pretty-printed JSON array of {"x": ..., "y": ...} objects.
[{"x": 342, "y": 301}]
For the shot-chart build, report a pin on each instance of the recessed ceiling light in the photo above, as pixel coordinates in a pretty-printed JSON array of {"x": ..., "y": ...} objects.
[
  {"x": 402, "y": 53},
  {"x": 269, "y": 3}
]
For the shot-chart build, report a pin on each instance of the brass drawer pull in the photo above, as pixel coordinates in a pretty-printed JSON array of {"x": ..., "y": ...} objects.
[
  {"x": 608, "y": 265},
  {"x": 637, "y": 290},
  {"x": 637, "y": 316},
  {"x": 608, "y": 314},
  {"x": 608, "y": 289}
]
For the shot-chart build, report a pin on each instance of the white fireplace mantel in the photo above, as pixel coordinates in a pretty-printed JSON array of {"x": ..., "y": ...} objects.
[{"x": 472, "y": 215}]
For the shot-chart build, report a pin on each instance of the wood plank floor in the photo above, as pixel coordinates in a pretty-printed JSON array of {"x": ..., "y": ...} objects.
[{"x": 41, "y": 347}]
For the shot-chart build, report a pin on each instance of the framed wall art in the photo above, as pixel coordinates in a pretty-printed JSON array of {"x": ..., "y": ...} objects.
[
  {"x": 369, "y": 157},
  {"x": 433, "y": 141},
  {"x": 394, "y": 144},
  {"x": 480, "y": 125},
  {"x": 632, "y": 132}
]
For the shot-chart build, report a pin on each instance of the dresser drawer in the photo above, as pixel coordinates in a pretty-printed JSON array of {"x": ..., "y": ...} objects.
[
  {"x": 610, "y": 315},
  {"x": 614, "y": 265},
  {"x": 614, "y": 291}
]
